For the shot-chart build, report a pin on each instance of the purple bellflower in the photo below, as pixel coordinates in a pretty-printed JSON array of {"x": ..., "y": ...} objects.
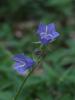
[
  {"x": 47, "y": 33},
  {"x": 22, "y": 63}
]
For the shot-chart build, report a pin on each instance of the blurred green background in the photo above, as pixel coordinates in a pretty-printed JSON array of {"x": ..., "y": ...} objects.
[{"x": 55, "y": 79}]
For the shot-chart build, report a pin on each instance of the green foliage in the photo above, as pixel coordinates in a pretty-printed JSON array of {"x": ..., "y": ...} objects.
[{"x": 56, "y": 81}]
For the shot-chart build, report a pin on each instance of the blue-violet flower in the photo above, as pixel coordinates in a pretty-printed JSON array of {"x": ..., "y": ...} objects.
[
  {"x": 22, "y": 63},
  {"x": 47, "y": 33}
]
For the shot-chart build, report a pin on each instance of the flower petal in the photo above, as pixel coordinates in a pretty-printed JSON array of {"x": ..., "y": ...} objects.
[
  {"x": 29, "y": 62},
  {"x": 20, "y": 70},
  {"x": 55, "y": 35},
  {"x": 19, "y": 57},
  {"x": 41, "y": 28},
  {"x": 51, "y": 28},
  {"x": 45, "y": 38}
]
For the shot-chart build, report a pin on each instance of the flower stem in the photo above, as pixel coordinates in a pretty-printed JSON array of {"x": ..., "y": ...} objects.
[{"x": 22, "y": 85}]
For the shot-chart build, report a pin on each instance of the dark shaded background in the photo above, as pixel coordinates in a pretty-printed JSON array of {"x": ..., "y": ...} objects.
[{"x": 55, "y": 79}]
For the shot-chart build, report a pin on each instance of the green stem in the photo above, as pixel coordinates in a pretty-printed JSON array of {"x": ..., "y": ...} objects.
[{"x": 22, "y": 85}]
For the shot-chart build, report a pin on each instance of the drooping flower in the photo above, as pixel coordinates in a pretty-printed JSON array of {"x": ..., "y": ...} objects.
[
  {"x": 22, "y": 63},
  {"x": 47, "y": 33}
]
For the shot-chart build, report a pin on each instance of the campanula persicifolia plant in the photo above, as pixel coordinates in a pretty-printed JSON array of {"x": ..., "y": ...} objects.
[{"x": 23, "y": 63}]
